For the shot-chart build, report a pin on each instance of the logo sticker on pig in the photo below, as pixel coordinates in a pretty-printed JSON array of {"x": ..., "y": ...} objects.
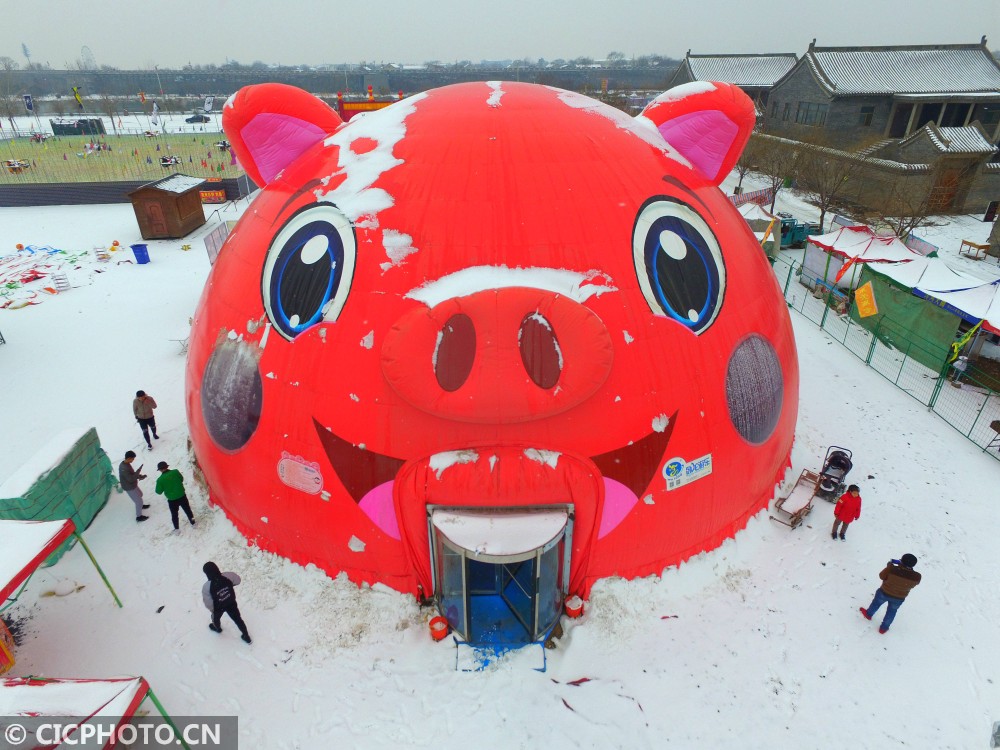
[{"x": 491, "y": 297}]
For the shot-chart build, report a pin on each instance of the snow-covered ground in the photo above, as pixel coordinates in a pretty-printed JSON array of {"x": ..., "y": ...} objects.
[{"x": 758, "y": 644}]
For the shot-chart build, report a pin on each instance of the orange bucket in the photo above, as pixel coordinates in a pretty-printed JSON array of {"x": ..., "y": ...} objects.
[
  {"x": 439, "y": 628},
  {"x": 574, "y": 606}
]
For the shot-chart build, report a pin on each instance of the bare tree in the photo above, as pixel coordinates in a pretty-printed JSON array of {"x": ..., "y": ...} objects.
[
  {"x": 901, "y": 208},
  {"x": 776, "y": 161},
  {"x": 9, "y": 91},
  {"x": 748, "y": 160},
  {"x": 824, "y": 173}
]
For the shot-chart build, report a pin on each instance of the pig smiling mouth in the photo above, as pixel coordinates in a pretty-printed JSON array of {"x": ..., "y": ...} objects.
[{"x": 368, "y": 476}]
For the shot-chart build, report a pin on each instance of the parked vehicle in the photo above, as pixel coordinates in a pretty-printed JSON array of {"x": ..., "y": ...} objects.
[
  {"x": 795, "y": 232},
  {"x": 198, "y": 118}
]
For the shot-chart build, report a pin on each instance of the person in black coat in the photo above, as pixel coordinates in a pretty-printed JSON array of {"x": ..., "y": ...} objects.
[{"x": 219, "y": 596}]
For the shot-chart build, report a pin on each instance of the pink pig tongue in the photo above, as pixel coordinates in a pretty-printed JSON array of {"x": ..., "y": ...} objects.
[
  {"x": 618, "y": 501},
  {"x": 378, "y": 506}
]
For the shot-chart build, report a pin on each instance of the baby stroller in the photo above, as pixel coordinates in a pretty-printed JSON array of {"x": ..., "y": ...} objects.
[{"x": 836, "y": 466}]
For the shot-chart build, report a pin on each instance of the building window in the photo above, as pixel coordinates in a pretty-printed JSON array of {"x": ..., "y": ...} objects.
[
  {"x": 774, "y": 109},
  {"x": 865, "y": 118},
  {"x": 810, "y": 113},
  {"x": 788, "y": 111}
]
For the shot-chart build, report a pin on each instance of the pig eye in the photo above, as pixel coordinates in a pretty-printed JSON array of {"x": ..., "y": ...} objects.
[
  {"x": 308, "y": 269},
  {"x": 679, "y": 263}
]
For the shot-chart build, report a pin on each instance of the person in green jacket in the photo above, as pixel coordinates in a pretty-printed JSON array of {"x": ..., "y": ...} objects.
[{"x": 170, "y": 484}]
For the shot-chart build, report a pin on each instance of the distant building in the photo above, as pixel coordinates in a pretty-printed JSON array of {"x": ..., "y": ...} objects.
[
  {"x": 862, "y": 94},
  {"x": 754, "y": 74},
  {"x": 927, "y": 116}
]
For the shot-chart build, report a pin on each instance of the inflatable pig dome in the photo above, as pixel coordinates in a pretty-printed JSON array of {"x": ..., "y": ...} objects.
[{"x": 494, "y": 333}]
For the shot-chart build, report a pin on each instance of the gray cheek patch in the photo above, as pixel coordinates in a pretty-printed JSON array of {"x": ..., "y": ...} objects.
[
  {"x": 231, "y": 394},
  {"x": 754, "y": 389}
]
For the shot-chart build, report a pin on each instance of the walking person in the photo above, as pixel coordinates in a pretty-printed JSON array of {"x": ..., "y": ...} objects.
[
  {"x": 898, "y": 579},
  {"x": 142, "y": 407},
  {"x": 170, "y": 484},
  {"x": 129, "y": 479},
  {"x": 846, "y": 511},
  {"x": 219, "y": 595}
]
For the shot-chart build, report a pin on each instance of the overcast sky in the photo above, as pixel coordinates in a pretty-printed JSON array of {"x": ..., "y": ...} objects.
[{"x": 172, "y": 33}]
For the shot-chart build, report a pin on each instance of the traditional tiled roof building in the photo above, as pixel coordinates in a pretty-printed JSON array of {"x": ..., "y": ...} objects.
[
  {"x": 755, "y": 74},
  {"x": 869, "y": 93},
  {"x": 933, "y": 110}
]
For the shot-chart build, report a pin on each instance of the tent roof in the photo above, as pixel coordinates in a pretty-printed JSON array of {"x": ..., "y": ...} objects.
[
  {"x": 113, "y": 699},
  {"x": 24, "y": 545},
  {"x": 862, "y": 245},
  {"x": 980, "y": 302},
  {"x": 927, "y": 273},
  {"x": 755, "y": 212},
  {"x": 24, "y": 696},
  {"x": 967, "y": 296}
]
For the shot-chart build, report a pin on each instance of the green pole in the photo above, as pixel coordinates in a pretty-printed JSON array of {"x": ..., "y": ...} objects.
[
  {"x": 976, "y": 420},
  {"x": 938, "y": 385},
  {"x": 166, "y": 716},
  {"x": 871, "y": 349},
  {"x": 826, "y": 307},
  {"x": 788, "y": 280},
  {"x": 93, "y": 560}
]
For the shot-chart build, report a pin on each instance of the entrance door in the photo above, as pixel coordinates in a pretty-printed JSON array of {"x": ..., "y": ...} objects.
[{"x": 501, "y": 575}]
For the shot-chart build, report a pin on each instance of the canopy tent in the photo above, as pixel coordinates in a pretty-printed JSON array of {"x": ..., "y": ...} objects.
[
  {"x": 974, "y": 303},
  {"x": 68, "y": 477},
  {"x": 87, "y": 711},
  {"x": 904, "y": 321},
  {"x": 763, "y": 225},
  {"x": 922, "y": 303},
  {"x": 24, "y": 547},
  {"x": 969, "y": 297},
  {"x": 828, "y": 256},
  {"x": 927, "y": 273}
]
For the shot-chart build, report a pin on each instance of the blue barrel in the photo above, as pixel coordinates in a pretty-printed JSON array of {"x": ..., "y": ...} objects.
[{"x": 141, "y": 253}]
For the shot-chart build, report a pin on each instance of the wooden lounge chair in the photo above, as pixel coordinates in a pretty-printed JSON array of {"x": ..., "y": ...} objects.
[{"x": 797, "y": 504}]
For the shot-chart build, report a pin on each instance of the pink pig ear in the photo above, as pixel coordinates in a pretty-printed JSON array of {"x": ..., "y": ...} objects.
[
  {"x": 270, "y": 125},
  {"x": 708, "y": 123}
]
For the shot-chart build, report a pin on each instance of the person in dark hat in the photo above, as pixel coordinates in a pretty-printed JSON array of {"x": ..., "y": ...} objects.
[
  {"x": 219, "y": 596},
  {"x": 170, "y": 484},
  {"x": 898, "y": 579},
  {"x": 142, "y": 408}
]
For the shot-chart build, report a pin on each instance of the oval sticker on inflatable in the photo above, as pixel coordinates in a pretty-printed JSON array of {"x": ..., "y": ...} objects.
[{"x": 303, "y": 475}]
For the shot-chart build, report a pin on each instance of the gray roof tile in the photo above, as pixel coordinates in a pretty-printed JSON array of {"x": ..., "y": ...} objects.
[
  {"x": 906, "y": 70},
  {"x": 741, "y": 70}
]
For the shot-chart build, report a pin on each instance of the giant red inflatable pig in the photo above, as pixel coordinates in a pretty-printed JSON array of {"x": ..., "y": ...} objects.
[{"x": 491, "y": 295}]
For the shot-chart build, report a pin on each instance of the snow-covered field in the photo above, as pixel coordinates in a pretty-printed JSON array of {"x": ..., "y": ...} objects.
[{"x": 758, "y": 644}]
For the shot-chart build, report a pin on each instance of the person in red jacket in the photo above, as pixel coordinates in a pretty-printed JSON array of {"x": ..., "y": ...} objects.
[{"x": 847, "y": 509}]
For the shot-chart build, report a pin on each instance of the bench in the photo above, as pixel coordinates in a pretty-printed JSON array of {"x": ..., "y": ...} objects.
[{"x": 973, "y": 250}]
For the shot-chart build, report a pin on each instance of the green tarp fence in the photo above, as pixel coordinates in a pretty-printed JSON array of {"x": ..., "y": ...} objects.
[
  {"x": 919, "y": 329},
  {"x": 73, "y": 478}
]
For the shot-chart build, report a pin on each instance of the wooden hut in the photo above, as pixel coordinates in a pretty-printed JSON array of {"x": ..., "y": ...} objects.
[{"x": 169, "y": 208}]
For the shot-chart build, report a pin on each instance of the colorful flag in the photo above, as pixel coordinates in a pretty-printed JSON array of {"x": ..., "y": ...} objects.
[
  {"x": 155, "y": 118},
  {"x": 843, "y": 269},
  {"x": 28, "y": 104},
  {"x": 76, "y": 95},
  {"x": 142, "y": 97},
  {"x": 864, "y": 299},
  {"x": 209, "y": 101}
]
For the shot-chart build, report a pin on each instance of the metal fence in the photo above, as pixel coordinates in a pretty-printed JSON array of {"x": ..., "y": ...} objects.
[{"x": 966, "y": 401}]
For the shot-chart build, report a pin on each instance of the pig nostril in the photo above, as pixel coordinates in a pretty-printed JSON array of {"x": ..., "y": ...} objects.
[
  {"x": 455, "y": 352},
  {"x": 540, "y": 351}
]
